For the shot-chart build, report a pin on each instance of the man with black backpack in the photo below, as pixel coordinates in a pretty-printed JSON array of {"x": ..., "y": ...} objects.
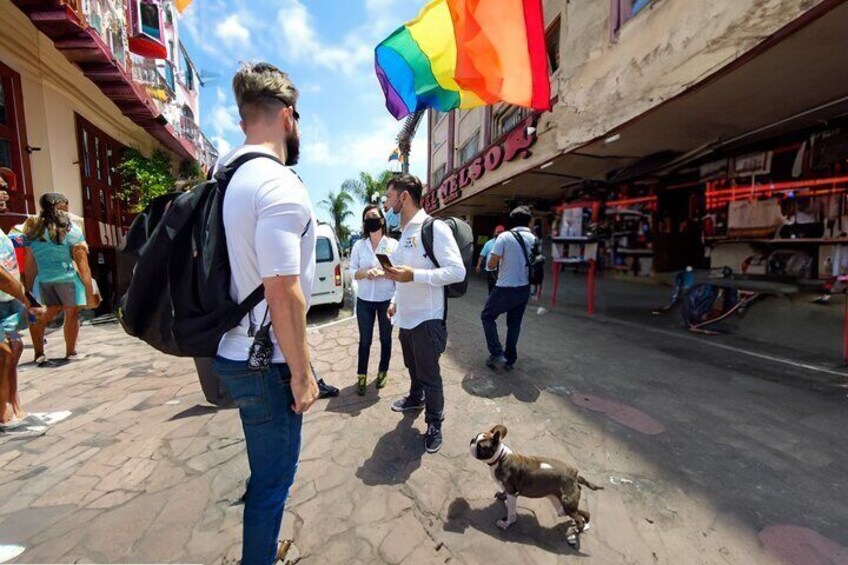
[
  {"x": 516, "y": 254},
  {"x": 264, "y": 361},
  {"x": 424, "y": 271}
]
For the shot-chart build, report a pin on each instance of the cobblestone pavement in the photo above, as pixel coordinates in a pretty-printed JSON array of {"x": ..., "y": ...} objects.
[{"x": 704, "y": 460}]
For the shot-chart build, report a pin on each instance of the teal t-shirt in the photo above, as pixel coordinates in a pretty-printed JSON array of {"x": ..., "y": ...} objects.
[
  {"x": 8, "y": 261},
  {"x": 54, "y": 260}
]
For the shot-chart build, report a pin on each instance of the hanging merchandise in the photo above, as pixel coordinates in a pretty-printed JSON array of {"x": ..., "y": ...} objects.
[
  {"x": 754, "y": 218},
  {"x": 146, "y": 35}
]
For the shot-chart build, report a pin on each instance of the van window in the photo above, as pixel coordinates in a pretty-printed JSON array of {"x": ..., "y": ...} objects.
[{"x": 323, "y": 250}]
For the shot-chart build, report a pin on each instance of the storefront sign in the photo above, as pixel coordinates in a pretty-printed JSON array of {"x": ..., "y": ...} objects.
[
  {"x": 753, "y": 164},
  {"x": 515, "y": 146}
]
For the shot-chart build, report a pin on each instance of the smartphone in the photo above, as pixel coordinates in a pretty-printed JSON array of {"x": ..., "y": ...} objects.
[{"x": 384, "y": 260}]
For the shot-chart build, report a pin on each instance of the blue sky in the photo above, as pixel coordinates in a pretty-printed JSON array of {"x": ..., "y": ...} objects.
[{"x": 327, "y": 48}]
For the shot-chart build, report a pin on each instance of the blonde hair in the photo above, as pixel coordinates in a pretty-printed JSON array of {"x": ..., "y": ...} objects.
[{"x": 260, "y": 89}]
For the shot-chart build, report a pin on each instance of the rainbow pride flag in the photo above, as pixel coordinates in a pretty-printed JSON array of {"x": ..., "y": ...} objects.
[
  {"x": 466, "y": 53},
  {"x": 182, "y": 5}
]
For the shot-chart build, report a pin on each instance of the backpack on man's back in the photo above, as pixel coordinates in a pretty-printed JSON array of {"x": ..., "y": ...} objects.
[
  {"x": 179, "y": 298},
  {"x": 534, "y": 259},
  {"x": 464, "y": 237}
]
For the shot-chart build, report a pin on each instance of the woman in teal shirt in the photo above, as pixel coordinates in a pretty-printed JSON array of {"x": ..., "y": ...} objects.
[{"x": 57, "y": 271}]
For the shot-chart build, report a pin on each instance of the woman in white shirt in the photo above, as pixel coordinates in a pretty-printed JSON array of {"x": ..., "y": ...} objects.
[{"x": 373, "y": 295}]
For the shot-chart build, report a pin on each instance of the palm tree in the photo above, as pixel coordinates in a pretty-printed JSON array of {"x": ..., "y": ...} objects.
[
  {"x": 367, "y": 187},
  {"x": 337, "y": 205}
]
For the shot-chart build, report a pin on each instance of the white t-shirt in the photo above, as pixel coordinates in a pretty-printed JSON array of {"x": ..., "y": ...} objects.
[
  {"x": 363, "y": 256},
  {"x": 270, "y": 228},
  {"x": 512, "y": 270}
]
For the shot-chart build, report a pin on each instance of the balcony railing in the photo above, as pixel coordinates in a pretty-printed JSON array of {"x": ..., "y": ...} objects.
[
  {"x": 147, "y": 73},
  {"x": 108, "y": 17},
  {"x": 76, "y": 6},
  {"x": 189, "y": 130}
]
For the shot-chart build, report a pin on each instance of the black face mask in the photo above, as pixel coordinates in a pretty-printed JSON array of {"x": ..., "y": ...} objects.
[{"x": 373, "y": 224}]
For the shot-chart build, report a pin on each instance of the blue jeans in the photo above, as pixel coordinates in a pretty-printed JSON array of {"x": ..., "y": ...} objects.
[
  {"x": 512, "y": 301},
  {"x": 272, "y": 436},
  {"x": 366, "y": 311}
]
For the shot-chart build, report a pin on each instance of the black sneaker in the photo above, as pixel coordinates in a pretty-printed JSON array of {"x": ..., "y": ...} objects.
[
  {"x": 325, "y": 390},
  {"x": 407, "y": 404},
  {"x": 433, "y": 438},
  {"x": 496, "y": 362}
]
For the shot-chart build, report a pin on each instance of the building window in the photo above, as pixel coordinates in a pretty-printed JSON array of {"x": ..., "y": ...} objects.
[
  {"x": 623, "y": 10},
  {"x": 470, "y": 149},
  {"x": 437, "y": 116},
  {"x": 439, "y": 175},
  {"x": 507, "y": 121},
  {"x": 552, "y": 45}
]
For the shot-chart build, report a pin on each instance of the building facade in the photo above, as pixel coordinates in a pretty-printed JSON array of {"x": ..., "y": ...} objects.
[
  {"x": 81, "y": 81},
  {"x": 660, "y": 108}
]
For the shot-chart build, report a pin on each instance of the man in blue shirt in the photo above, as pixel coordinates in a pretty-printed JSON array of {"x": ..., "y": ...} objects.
[
  {"x": 483, "y": 259},
  {"x": 512, "y": 289}
]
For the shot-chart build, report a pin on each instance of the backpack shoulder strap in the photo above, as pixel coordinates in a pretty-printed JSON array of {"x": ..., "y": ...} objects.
[
  {"x": 522, "y": 245},
  {"x": 225, "y": 173},
  {"x": 427, "y": 240}
]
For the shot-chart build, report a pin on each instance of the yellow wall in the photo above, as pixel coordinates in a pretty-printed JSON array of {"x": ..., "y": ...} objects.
[{"x": 53, "y": 91}]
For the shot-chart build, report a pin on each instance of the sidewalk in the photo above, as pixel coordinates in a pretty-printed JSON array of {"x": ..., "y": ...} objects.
[
  {"x": 703, "y": 460},
  {"x": 789, "y": 327}
]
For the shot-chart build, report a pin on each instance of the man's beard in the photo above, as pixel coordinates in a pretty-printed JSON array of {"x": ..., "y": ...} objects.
[{"x": 292, "y": 150}]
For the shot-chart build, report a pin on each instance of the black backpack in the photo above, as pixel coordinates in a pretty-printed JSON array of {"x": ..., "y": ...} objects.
[
  {"x": 534, "y": 259},
  {"x": 178, "y": 299},
  {"x": 464, "y": 239}
]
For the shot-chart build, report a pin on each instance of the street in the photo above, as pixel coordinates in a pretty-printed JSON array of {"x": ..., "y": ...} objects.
[{"x": 705, "y": 456}]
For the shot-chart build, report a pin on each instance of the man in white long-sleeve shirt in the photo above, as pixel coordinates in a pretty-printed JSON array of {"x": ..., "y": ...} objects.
[{"x": 418, "y": 307}]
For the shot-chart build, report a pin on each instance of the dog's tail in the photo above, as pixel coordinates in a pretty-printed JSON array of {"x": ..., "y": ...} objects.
[{"x": 587, "y": 484}]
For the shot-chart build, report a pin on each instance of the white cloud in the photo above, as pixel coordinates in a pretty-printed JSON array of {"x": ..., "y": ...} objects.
[
  {"x": 318, "y": 153},
  {"x": 232, "y": 32},
  {"x": 301, "y": 41},
  {"x": 224, "y": 118},
  {"x": 222, "y": 145}
]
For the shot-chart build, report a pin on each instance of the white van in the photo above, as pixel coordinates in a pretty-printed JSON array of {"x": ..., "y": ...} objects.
[{"x": 329, "y": 285}]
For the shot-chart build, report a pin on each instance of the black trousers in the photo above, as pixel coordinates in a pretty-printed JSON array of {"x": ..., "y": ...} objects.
[{"x": 422, "y": 347}]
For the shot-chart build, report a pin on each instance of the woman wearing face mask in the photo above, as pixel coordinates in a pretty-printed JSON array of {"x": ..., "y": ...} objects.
[
  {"x": 373, "y": 295},
  {"x": 57, "y": 260}
]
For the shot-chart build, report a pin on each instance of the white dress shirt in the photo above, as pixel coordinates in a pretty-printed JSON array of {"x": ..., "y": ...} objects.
[
  {"x": 363, "y": 256},
  {"x": 424, "y": 298}
]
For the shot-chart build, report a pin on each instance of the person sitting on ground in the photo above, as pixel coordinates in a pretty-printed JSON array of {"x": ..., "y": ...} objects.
[
  {"x": 57, "y": 271},
  {"x": 374, "y": 294},
  {"x": 14, "y": 304}
]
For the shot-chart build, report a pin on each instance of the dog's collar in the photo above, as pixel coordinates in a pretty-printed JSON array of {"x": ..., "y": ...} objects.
[{"x": 502, "y": 452}]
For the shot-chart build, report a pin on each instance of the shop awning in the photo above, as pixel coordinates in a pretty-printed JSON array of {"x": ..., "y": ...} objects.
[{"x": 793, "y": 80}]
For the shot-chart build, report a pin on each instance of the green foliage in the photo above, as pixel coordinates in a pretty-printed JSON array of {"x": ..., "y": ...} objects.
[
  {"x": 338, "y": 205},
  {"x": 368, "y": 188},
  {"x": 190, "y": 171},
  {"x": 143, "y": 179}
]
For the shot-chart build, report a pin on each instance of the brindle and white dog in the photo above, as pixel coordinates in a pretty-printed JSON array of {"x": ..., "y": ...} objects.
[{"x": 533, "y": 477}]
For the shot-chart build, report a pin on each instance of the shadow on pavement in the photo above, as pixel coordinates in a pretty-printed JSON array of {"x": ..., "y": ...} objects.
[
  {"x": 526, "y": 530},
  {"x": 197, "y": 410},
  {"x": 488, "y": 383},
  {"x": 396, "y": 455},
  {"x": 350, "y": 403}
]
